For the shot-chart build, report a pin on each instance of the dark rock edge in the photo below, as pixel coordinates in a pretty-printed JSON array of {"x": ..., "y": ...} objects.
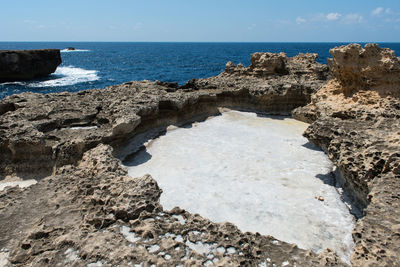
[{"x": 21, "y": 65}]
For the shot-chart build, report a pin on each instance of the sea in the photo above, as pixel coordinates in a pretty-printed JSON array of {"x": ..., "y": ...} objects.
[{"x": 100, "y": 64}]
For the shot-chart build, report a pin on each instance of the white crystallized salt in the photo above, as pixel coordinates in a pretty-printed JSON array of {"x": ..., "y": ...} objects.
[{"x": 257, "y": 172}]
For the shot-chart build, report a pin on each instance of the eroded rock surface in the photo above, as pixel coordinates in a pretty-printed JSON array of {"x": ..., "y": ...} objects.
[
  {"x": 369, "y": 68},
  {"x": 93, "y": 212},
  {"x": 17, "y": 65},
  {"x": 356, "y": 119},
  {"x": 41, "y": 132},
  {"x": 271, "y": 64},
  {"x": 85, "y": 209}
]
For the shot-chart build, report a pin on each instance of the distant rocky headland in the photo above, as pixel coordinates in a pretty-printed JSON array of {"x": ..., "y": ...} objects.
[
  {"x": 18, "y": 65},
  {"x": 86, "y": 209}
]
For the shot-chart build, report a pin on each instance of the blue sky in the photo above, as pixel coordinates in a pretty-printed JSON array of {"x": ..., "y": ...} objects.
[{"x": 201, "y": 20}]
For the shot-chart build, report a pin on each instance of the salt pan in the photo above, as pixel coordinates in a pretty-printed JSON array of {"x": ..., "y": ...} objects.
[{"x": 257, "y": 172}]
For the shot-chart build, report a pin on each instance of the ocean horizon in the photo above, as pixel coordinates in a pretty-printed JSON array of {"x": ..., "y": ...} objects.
[{"x": 100, "y": 64}]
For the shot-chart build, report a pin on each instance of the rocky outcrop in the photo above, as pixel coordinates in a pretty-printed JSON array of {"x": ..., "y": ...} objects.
[
  {"x": 94, "y": 213},
  {"x": 269, "y": 64},
  {"x": 369, "y": 68},
  {"x": 44, "y": 122},
  {"x": 85, "y": 209},
  {"x": 355, "y": 118},
  {"x": 17, "y": 65}
]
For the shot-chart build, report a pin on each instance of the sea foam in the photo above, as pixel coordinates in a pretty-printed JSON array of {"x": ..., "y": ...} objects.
[
  {"x": 72, "y": 51},
  {"x": 67, "y": 75}
]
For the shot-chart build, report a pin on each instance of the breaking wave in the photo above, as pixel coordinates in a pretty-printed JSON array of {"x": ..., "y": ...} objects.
[
  {"x": 13, "y": 83},
  {"x": 67, "y": 75},
  {"x": 76, "y": 50}
]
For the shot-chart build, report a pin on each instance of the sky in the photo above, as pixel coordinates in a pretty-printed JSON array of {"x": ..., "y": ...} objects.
[{"x": 201, "y": 20}]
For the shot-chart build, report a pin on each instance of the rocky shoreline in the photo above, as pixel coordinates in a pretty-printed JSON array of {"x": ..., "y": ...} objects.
[{"x": 85, "y": 209}]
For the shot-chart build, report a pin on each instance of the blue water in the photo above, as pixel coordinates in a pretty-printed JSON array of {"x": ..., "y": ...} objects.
[{"x": 97, "y": 65}]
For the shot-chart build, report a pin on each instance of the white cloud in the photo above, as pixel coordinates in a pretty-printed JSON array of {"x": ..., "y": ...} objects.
[
  {"x": 300, "y": 20},
  {"x": 386, "y": 15},
  {"x": 29, "y": 21},
  {"x": 377, "y": 11},
  {"x": 138, "y": 26},
  {"x": 318, "y": 18},
  {"x": 251, "y": 27},
  {"x": 333, "y": 16},
  {"x": 352, "y": 18},
  {"x": 284, "y": 21},
  {"x": 33, "y": 24}
]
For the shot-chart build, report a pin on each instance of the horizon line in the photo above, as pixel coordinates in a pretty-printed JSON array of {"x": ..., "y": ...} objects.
[{"x": 199, "y": 42}]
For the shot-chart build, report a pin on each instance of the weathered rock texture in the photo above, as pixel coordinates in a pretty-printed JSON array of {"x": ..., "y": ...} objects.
[
  {"x": 85, "y": 209},
  {"x": 355, "y": 117},
  {"x": 17, "y": 65},
  {"x": 270, "y": 64},
  {"x": 75, "y": 214},
  {"x": 36, "y": 134},
  {"x": 84, "y": 214},
  {"x": 372, "y": 68}
]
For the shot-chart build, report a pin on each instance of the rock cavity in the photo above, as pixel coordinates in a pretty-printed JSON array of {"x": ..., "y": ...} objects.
[{"x": 255, "y": 171}]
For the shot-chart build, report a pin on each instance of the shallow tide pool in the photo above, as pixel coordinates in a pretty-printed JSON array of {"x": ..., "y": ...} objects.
[{"x": 257, "y": 172}]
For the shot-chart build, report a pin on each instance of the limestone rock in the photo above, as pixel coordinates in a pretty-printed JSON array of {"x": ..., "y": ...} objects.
[
  {"x": 265, "y": 65},
  {"x": 85, "y": 209},
  {"x": 90, "y": 210},
  {"x": 93, "y": 212},
  {"x": 369, "y": 68},
  {"x": 262, "y": 65},
  {"x": 355, "y": 118},
  {"x": 17, "y": 65},
  {"x": 57, "y": 129}
]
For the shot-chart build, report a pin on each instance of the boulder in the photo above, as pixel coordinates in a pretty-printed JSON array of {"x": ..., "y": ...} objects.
[
  {"x": 18, "y": 65},
  {"x": 262, "y": 65}
]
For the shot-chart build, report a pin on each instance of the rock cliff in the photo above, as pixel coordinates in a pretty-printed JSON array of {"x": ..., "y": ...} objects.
[
  {"x": 85, "y": 209},
  {"x": 17, "y": 65},
  {"x": 355, "y": 118}
]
